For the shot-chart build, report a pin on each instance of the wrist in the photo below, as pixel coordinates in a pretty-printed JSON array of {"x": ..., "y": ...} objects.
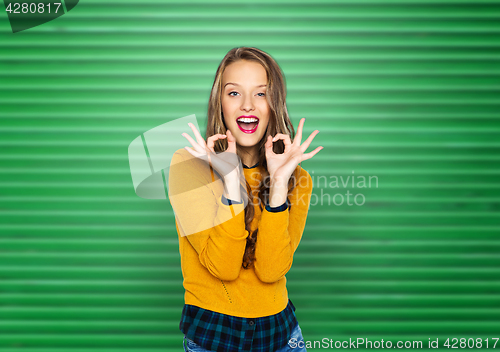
[
  {"x": 232, "y": 188},
  {"x": 277, "y": 194},
  {"x": 278, "y": 182},
  {"x": 232, "y": 178}
]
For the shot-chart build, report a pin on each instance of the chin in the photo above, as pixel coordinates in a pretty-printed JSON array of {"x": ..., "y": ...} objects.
[
  {"x": 246, "y": 143},
  {"x": 248, "y": 139}
]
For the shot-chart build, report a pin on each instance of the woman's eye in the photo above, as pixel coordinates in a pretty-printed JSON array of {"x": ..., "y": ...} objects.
[{"x": 230, "y": 93}]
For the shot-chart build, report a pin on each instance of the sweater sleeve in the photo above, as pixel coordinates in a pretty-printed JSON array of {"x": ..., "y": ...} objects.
[
  {"x": 213, "y": 228},
  {"x": 280, "y": 232}
]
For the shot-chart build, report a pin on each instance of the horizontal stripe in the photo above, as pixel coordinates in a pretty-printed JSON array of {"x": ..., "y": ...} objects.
[{"x": 406, "y": 91}]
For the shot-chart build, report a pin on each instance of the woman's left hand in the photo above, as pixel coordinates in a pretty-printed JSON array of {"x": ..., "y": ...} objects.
[{"x": 281, "y": 166}]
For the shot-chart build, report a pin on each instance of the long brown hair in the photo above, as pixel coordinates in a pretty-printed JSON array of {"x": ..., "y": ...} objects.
[{"x": 279, "y": 122}]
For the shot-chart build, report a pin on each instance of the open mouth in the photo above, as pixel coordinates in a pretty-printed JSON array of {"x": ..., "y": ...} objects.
[{"x": 248, "y": 124}]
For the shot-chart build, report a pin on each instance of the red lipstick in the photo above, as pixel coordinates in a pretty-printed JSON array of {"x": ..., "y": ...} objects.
[{"x": 248, "y": 123}]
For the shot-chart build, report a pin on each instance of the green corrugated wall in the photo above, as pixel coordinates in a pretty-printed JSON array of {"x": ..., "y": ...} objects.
[{"x": 406, "y": 91}]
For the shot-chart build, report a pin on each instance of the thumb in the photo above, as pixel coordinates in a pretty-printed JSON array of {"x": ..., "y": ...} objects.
[
  {"x": 231, "y": 141},
  {"x": 269, "y": 145}
]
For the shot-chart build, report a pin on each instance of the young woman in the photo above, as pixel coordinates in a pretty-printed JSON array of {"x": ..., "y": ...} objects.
[{"x": 234, "y": 256}]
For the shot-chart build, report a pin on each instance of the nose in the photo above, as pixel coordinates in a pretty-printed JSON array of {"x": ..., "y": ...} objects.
[{"x": 247, "y": 103}]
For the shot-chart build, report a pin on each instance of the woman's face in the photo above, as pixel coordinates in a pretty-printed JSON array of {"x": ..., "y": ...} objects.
[{"x": 244, "y": 105}]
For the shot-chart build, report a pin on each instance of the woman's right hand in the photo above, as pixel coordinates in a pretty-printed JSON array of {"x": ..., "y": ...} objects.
[{"x": 226, "y": 163}]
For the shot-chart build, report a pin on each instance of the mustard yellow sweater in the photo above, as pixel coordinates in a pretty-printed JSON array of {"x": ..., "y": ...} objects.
[{"x": 212, "y": 255}]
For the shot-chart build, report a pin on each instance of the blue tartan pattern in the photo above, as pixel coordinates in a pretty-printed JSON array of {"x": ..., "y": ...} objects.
[{"x": 226, "y": 333}]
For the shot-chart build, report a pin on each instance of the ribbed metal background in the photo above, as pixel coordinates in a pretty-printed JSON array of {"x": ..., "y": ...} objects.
[{"x": 407, "y": 91}]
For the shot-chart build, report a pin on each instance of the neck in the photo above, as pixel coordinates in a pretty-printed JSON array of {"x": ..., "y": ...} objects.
[{"x": 248, "y": 155}]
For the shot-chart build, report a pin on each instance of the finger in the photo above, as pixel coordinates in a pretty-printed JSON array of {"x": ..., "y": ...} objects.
[
  {"x": 311, "y": 154},
  {"x": 211, "y": 141},
  {"x": 298, "y": 137},
  {"x": 285, "y": 138},
  {"x": 192, "y": 152},
  {"x": 199, "y": 155},
  {"x": 195, "y": 145},
  {"x": 197, "y": 134},
  {"x": 269, "y": 146},
  {"x": 308, "y": 141},
  {"x": 231, "y": 140},
  {"x": 230, "y": 136}
]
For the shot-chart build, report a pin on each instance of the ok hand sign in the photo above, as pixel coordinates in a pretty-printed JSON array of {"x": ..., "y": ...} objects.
[
  {"x": 281, "y": 166},
  {"x": 225, "y": 163}
]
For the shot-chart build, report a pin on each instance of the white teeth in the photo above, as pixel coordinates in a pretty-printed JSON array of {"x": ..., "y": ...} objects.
[{"x": 247, "y": 119}]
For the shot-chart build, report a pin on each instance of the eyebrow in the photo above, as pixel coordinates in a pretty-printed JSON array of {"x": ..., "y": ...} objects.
[{"x": 236, "y": 84}]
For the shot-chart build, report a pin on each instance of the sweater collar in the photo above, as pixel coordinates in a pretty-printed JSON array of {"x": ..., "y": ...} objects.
[{"x": 251, "y": 167}]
